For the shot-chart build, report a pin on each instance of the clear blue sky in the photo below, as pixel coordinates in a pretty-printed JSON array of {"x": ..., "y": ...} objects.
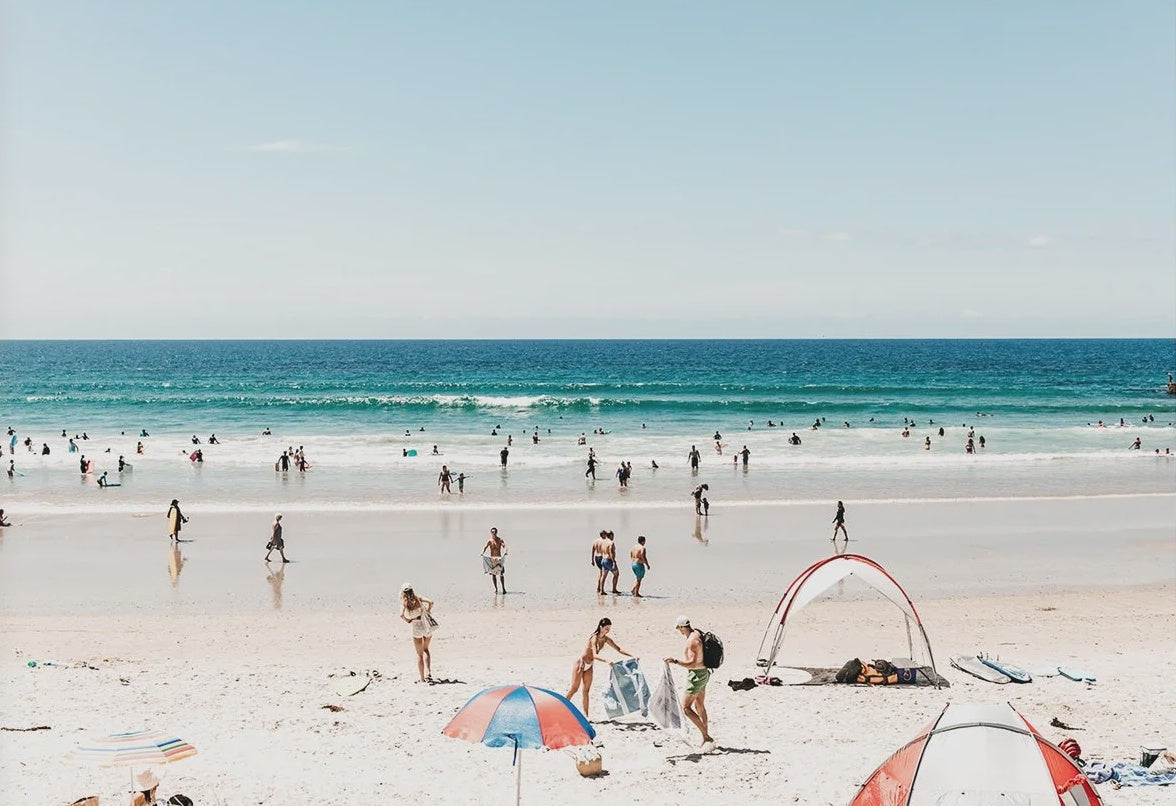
[{"x": 594, "y": 169}]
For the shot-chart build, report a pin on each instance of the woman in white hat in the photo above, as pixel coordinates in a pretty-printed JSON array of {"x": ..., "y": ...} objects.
[
  {"x": 416, "y": 610},
  {"x": 146, "y": 783}
]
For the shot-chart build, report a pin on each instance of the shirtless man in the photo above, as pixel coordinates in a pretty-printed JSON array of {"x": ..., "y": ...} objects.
[
  {"x": 609, "y": 564},
  {"x": 640, "y": 560},
  {"x": 599, "y": 553},
  {"x": 697, "y": 676},
  {"x": 694, "y": 458},
  {"x": 497, "y": 566}
]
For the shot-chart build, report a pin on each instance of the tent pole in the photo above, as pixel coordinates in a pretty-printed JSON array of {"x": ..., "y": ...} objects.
[{"x": 910, "y": 641}]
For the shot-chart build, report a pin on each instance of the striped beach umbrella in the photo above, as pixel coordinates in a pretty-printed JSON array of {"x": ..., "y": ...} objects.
[
  {"x": 520, "y": 717},
  {"x": 140, "y": 748}
]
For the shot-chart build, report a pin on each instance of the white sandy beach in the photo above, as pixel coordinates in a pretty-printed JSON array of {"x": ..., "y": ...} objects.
[{"x": 239, "y": 664}]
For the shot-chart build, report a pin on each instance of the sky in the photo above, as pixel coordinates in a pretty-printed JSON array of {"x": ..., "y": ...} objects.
[{"x": 587, "y": 170}]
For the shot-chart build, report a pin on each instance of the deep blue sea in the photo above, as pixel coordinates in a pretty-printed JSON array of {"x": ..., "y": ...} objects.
[{"x": 357, "y": 406}]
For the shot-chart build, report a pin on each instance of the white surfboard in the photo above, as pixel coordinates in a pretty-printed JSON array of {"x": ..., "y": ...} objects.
[
  {"x": 351, "y": 684},
  {"x": 973, "y": 666}
]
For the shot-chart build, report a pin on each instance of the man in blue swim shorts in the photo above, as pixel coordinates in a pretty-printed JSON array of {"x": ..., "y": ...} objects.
[
  {"x": 640, "y": 563},
  {"x": 599, "y": 554}
]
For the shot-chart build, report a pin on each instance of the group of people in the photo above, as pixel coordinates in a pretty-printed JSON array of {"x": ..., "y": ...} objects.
[
  {"x": 295, "y": 457},
  {"x": 697, "y": 674},
  {"x": 604, "y": 560}
]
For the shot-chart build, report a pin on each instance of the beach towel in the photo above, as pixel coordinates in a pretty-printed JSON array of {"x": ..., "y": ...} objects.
[
  {"x": 627, "y": 690},
  {"x": 664, "y": 706},
  {"x": 1127, "y": 774},
  {"x": 493, "y": 565}
]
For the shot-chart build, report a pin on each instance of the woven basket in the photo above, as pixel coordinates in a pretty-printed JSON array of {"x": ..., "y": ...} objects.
[{"x": 590, "y": 767}]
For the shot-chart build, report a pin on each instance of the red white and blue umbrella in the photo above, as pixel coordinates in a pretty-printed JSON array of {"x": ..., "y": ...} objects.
[
  {"x": 520, "y": 717},
  {"x": 140, "y": 748}
]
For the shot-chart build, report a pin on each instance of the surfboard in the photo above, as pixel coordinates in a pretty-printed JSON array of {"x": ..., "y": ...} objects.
[
  {"x": 351, "y": 684},
  {"x": 192, "y": 456},
  {"x": 971, "y": 665},
  {"x": 1075, "y": 674},
  {"x": 411, "y": 452},
  {"x": 173, "y": 522},
  {"x": 1015, "y": 673}
]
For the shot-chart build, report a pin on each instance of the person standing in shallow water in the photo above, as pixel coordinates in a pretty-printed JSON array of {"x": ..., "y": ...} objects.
[{"x": 839, "y": 522}]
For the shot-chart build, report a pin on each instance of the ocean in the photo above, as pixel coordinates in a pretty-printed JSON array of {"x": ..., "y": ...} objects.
[{"x": 357, "y": 407}]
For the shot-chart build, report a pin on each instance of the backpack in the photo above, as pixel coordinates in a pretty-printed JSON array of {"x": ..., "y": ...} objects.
[
  {"x": 712, "y": 650},
  {"x": 849, "y": 672}
]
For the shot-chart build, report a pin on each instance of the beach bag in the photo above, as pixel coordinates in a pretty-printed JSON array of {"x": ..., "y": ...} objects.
[
  {"x": 712, "y": 650},
  {"x": 428, "y": 617}
]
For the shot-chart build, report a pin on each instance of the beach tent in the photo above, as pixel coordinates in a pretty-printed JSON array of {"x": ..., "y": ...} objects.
[
  {"x": 818, "y": 578},
  {"x": 976, "y": 755}
]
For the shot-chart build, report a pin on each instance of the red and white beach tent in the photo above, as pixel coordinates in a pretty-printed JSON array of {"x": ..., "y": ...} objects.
[
  {"x": 978, "y": 755},
  {"x": 818, "y": 578}
]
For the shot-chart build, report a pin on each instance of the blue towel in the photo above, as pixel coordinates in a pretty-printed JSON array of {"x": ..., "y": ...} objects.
[
  {"x": 627, "y": 690},
  {"x": 1127, "y": 774}
]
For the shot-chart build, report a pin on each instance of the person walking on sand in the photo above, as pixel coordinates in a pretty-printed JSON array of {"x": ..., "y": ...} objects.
[
  {"x": 444, "y": 479},
  {"x": 582, "y": 666},
  {"x": 697, "y": 676},
  {"x": 417, "y": 611},
  {"x": 495, "y": 564},
  {"x": 610, "y": 564},
  {"x": 175, "y": 520},
  {"x": 839, "y": 522},
  {"x": 640, "y": 561},
  {"x": 276, "y": 542}
]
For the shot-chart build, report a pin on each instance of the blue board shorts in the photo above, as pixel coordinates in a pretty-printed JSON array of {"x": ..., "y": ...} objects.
[
  {"x": 607, "y": 565},
  {"x": 639, "y": 570}
]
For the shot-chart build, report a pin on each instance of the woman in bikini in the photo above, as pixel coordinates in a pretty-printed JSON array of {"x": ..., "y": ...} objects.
[
  {"x": 582, "y": 667},
  {"x": 413, "y": 610}
]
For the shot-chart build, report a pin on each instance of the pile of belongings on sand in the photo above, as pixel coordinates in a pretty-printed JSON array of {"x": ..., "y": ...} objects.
[{"x": 878, "y": 672}]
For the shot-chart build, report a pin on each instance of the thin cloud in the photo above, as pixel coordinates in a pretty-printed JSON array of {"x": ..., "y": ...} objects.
[
  {"x": 1040, "y": 241},
  {"x": 291, "y": 147}
]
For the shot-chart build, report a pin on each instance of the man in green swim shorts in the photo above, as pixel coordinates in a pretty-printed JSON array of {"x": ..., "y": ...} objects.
[{"x": 697, "y": 676}]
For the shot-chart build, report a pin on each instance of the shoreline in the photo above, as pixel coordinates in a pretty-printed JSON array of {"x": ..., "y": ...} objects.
[{"x": 456, "y": 503}]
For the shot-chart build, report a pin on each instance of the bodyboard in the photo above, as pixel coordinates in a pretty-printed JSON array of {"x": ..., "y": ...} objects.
[{"x": 1014, "y": 673}]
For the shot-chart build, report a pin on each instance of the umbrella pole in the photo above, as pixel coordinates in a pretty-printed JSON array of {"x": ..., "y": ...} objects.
[{"x": 519, "y": 780}]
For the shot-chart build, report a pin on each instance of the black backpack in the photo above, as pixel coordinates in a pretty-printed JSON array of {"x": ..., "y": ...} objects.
[{"x": 712, "y": 650}]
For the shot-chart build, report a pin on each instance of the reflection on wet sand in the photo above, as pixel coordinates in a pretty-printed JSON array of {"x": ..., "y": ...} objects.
[
  {"x": 175, "y": 564},
  {"x": 701, "y": 524},
  {"x": 275, "y": 579}
]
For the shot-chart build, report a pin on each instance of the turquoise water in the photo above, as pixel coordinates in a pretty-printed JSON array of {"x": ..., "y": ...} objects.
[{"x": 351, "y": 403}]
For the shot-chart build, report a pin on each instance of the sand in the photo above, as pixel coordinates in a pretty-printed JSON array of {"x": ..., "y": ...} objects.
[{"x": 240, "y": 665}]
